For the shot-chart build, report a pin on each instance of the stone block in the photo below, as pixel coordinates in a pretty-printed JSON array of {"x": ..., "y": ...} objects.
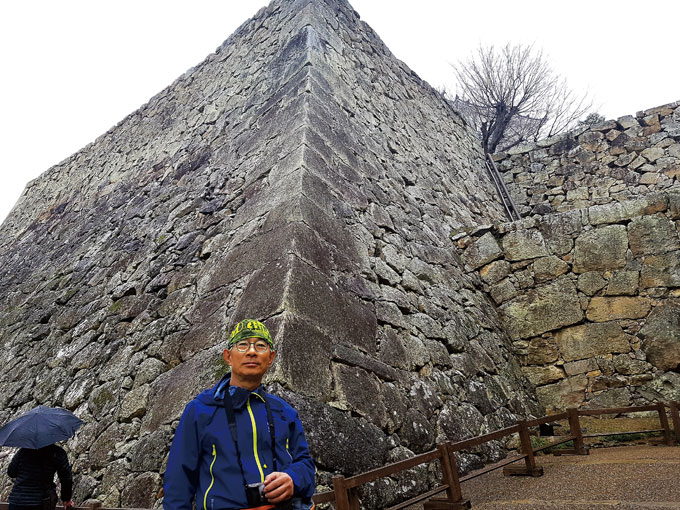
[
  {"x": 661, "y": 336},
  {"x": 149, "y": 452},
  {"x": 549, "y": 268},
  {"x": 542, "y": 309},
  {"x": 171, "y": 390},
  {"x": 601, "y": 249},
  {"x": 524, "y": 244},
  {"x": 352, "y": 357},
  {"x": 495, "y": 272},
  {"x": 616, "y": 397},
  {"x": 569, "y": 392},
  {"x": 620, "y": 211},
  {"x": 652, "y": 235},
  {"x": 259, "y": 250},
  {"x": 623, "y": 283},
  {"x": 298, "y": 342},
  {"x": 300, "y": 209},
  {"x": 674, "y": 205},
  {"x": 416, "y": 432},
  {"x": 403, "y": 351},
  {"x": 650, "y": 179},
  {"x": 580, "y": 367},
  {"x": 591, "y": 141},
  {"x": 134, "y": 404},
  {"x": 661, "y": 271},
  {"x": 503, "y": 291},
  {"x": 360, "y": 392},
  {"x": 627, "y": 122},
  {"x": 141, "y": 491},
  {"x": 78, "y": 392},
  {"x": 602, "y": 309},
  {"x": 604, "y": 382},
  {"x": 459, "y": 421},
  {"x": 591, "y": 282},
  {"x": 324, "y": 426},
  {"x": 651, "y": 154},
  {"x": 592, "y": 339},
  {"x": 482, "y": 251},
  {"x": 626, "y": 365},
  {"x": 539, "y": 376},
  {"x": 541, "y": 351},
  {"x": 295, "y": 286},
  {"x": 664, "y": 388}
]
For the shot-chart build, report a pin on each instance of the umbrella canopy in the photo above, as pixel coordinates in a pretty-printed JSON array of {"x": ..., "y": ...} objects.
[{"x": 39, "y": 427}]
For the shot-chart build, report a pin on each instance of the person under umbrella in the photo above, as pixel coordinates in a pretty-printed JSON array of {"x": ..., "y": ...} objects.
[{"x": 33, "y": 467}]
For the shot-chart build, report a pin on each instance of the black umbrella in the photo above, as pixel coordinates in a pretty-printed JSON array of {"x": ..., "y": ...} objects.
[{"x": 39, "y": 427}]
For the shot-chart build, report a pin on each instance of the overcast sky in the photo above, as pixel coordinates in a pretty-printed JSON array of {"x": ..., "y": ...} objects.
[{"x": 71, "y": 69}]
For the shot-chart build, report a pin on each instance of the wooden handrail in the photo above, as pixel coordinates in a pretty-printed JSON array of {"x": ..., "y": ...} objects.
[
  {"x": 391, "y": 469},
  {"x": 547, "y": 419},
  {"x": 492, "y": 436}
]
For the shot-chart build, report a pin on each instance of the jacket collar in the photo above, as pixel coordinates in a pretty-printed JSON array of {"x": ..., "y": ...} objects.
[{"x": 239, "y": 396}]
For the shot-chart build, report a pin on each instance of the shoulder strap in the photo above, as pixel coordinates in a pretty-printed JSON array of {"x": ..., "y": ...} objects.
[{"x": 231, "y": 419}]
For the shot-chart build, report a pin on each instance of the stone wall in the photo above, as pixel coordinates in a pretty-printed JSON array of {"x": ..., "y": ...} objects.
[
  {"x": 301, "y": 175},
  {"x": 609, "y": 162},
  {"x": 591, "y": 299}
]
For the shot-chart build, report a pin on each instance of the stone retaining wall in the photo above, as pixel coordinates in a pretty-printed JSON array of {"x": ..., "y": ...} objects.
[
  {"x": 301, "y": 175},
  {"x": 609, "y": 162},
  {"x": 590, "y": 298}
]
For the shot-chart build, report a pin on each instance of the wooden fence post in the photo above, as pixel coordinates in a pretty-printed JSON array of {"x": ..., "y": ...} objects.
[
  {"x": 454, "y": 496},
  {"x": 530, "y": 468},
  {"x": 341, "y": 493},
  {"x": 667, "y": 439},
  {"x": 675, "y": 415},
  {"x": 574, "y": 430}
]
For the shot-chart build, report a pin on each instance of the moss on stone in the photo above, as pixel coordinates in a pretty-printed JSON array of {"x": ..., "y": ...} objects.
[
  {"x": 102, "y": 398},
  {"x": 220, "y": 367},
  {"x": 115, "y": 306}
]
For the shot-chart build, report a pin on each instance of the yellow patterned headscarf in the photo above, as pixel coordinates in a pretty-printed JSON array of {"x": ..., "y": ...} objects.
[{"x": 249, "y": 328}]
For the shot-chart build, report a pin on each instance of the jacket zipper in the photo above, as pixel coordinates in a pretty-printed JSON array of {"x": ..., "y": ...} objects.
[
  {"x": 212, "y": 479},
  {"x": 257, "y": 457}
]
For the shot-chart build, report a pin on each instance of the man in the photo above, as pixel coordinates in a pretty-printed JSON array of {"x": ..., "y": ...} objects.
[{"x": 237, "y": 446}]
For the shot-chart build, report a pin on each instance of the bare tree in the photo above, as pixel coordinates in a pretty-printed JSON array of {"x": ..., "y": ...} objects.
[{"x": 512, "y": 96}]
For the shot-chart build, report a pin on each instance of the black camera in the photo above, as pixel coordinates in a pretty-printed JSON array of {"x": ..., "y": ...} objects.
[{"x": 255, "y": 494}]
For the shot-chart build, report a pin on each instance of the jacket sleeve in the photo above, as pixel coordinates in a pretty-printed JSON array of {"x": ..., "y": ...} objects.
[
  {"x": 65, "y": 475},
  {"x": 180, "y": 481},
  {"x": 302, "y": 470},
  {"x": 13, "y": 468}
]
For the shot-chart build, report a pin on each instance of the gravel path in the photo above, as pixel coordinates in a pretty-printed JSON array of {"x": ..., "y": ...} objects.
[{"x": 622, "y": 478}]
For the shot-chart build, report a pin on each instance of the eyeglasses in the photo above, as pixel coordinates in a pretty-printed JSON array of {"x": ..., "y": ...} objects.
[{"x": 244, "y": 346}]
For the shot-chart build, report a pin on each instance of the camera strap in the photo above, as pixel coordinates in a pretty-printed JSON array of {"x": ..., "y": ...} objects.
[{"x": 231, "y": 420}]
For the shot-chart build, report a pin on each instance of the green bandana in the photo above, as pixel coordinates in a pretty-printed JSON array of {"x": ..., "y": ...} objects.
[{"x": 249, "y": 328}]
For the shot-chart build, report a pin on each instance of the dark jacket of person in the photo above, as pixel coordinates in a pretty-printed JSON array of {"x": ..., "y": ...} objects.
[
  {"x": 202, "y": 464},
  {"x": 33, "y": 473}
]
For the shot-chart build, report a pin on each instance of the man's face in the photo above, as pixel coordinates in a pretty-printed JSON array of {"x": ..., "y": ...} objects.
[{"x": 249, "y": 365}]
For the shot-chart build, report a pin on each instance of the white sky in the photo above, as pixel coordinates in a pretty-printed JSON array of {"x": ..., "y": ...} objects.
[{"x": 71, "y": 69}]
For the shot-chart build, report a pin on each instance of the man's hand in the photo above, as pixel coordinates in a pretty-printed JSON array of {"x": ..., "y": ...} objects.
[
  {"x": 68, "y": 505},
  {"x": 278, "y": 487}
]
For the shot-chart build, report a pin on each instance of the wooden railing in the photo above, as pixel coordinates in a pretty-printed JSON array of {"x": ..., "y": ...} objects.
[
  {"x": 345, "y": 494},
  {"x": 345, "y": 490}
]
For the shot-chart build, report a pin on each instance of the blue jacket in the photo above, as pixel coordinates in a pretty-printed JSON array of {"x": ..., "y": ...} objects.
[{"x": 202, "y": 464}]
